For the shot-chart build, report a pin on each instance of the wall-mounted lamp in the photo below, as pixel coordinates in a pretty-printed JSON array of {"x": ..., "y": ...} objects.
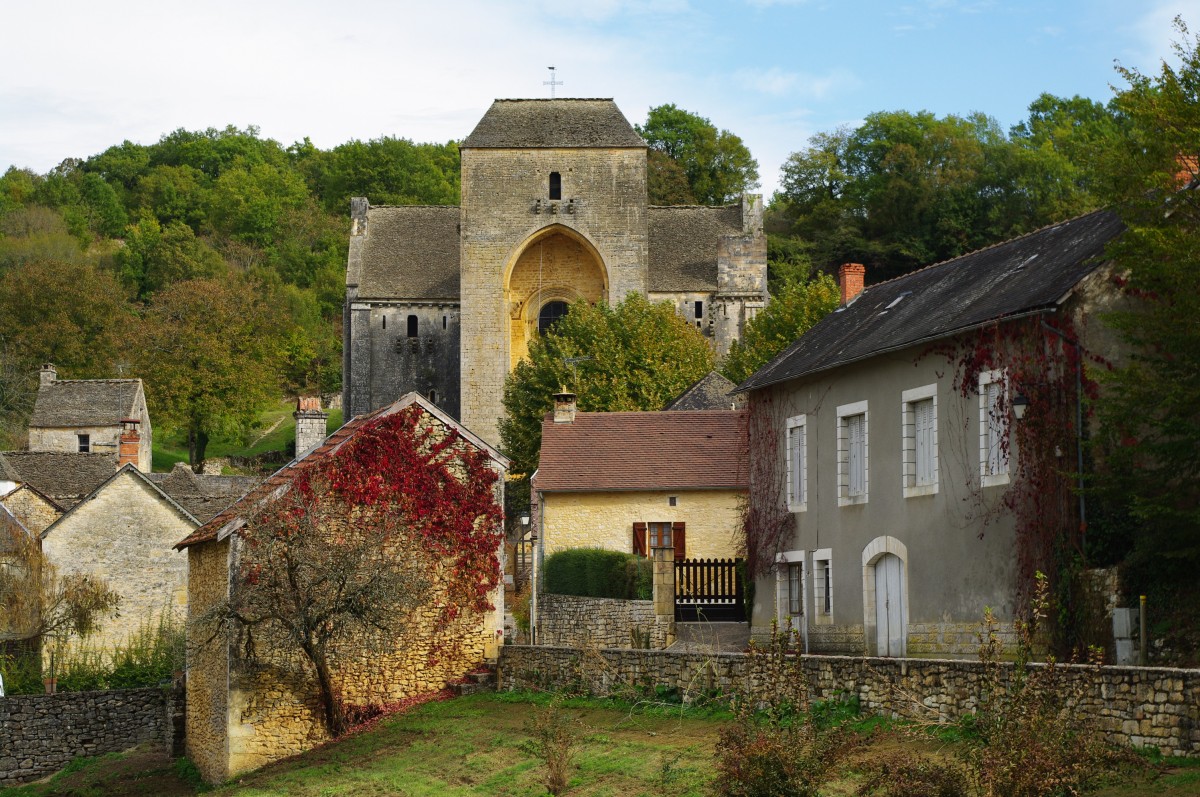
[{"x": 1019, "y": 405}]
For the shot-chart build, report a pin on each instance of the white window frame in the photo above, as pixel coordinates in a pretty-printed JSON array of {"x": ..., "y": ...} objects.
[
  {"x": 822, "y": 580},
  {"x": 910, "y": 449},
  {"x": 994, "y": 456},
  {"x": 783, "y": 615},
  {"x": 797, "y": 462},
  {"x": 844, "y": 413}
]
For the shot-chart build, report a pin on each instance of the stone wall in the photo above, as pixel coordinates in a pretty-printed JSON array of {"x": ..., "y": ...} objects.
[
  {"x": 41, "y": 733},
  {"x": 601, "y": 622},
  {"x": 1140, "y": 706}
]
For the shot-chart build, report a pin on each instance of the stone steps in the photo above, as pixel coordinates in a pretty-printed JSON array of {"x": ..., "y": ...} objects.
[{"x": 482, "y": 680}]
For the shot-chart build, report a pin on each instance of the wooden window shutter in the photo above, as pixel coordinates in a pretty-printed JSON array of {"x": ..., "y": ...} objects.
[
  {"x": 679, "y": 540},
  {"x": 639, "y": 539}
]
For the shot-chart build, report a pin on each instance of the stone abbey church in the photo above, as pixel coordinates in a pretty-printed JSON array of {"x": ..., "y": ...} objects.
[{"x": 445, "y": 300}]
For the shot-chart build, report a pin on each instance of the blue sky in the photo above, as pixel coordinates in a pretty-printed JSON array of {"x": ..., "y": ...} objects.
[{"x": 77, "y": 77}]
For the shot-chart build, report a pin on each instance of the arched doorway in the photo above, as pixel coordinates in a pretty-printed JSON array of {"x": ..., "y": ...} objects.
[
  {"x": 885, "y": 597},
  {"x": 554, "y": 268}
]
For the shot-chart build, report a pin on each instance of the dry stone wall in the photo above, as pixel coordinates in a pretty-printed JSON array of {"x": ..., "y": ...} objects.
[
  {"x": 1139, "y": 706},
  {"x": 41, "y": 733},
  {"x": 601, "y": 622}
]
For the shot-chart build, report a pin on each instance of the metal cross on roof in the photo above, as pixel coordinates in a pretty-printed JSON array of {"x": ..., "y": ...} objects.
[{"x": 552, "y": 82}]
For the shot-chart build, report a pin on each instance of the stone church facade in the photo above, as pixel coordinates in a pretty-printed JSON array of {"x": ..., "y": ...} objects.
[{"x": 445, "y": 300}]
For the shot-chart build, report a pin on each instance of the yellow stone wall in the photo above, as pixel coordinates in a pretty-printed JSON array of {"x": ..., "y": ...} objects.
[
  {"x": 605, "y": 519},
  {"x": 34, "y": 512},
  {"x": 207, "y": 662}
]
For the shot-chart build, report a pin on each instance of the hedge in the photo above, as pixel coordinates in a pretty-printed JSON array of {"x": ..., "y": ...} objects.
[{"x": 599, "y": 573}]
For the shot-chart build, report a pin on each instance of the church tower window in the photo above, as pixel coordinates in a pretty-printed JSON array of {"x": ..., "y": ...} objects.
[
  {"x": 551, "y": 312},
  {"x": 412, "y": 326},
  {"x": 555, "y": 185}
]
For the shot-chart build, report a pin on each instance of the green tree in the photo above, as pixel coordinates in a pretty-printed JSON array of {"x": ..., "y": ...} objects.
[
  {"x": 717, "y": 164},
  {"x": 387, "y": 171},
  {"x": 641, "y": 355},
  {"x": 155, "y": 256},
  {"x": 208, "y": 352},
  {"x": 795, "y": 306}
]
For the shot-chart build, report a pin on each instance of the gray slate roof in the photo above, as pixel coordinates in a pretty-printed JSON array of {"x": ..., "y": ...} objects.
[
  {"x": 711, "y": 392},
  {"x": 203, "y": 496},
  {"x": 410, "y": 252},
  {"x": 683, "y": 245},
  {"x": 553, "y": 123},
  {"x": 85, "y": 402},
  {"x": 65, "y": 478},
  {"x": 1023, "y": 275}
]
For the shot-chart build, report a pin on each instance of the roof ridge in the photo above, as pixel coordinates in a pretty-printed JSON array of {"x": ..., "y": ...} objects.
[
  {"x": 92, "y": 381},
  {"x": 553, "y": 99}
]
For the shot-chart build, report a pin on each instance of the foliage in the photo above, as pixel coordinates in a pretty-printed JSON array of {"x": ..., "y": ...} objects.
[
  {"x": 1150, "y": 423},
  {"x": 333, "y": 569},
  {"x": 554, "y": 738},
  {"x": 598, "y": 573},
  {"x": 901, "y": 775},
  {"x": 148, "y": 657},
  {"x": 155, "y": 256},
  {"x": 717, "y": 165},
  {"x": 642, "y": 355},
  {"x": 792, "y": 311}
]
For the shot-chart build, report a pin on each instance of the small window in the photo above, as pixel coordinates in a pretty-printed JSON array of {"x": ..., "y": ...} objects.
[
  {"x": 412, "y": 326},
  {"x": 433, "y": 397},
  {"x": 660, "y": 535},
  {"x": 993, "y": 428},
  {"x": 672, "y": 500},
  {"x": 555, "y": 185},
  {"x": 443, "y": 322},
  {"x": 795, "y": 599},
  {"x": 852, "y": 449},
  {"x": 797, "y": 463},
  {"x": 823, "y": 582},
  {"x": 385, "y": 322},
  {"x": 85, "y": 443},
  {"x": 699, "y": 309},
  {"x": 551, "y": 312}
]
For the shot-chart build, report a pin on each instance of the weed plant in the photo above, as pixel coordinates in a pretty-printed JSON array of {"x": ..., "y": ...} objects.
[{"x": 554, "y": 740}]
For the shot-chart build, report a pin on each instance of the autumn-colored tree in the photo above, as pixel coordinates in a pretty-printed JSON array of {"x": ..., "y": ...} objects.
[
  {"x": 208, "y": 352},
  {"x": 337, "y": 568},
  {"x": 635, "y": 356}
]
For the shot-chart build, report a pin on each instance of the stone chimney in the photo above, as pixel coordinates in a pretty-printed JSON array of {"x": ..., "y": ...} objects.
[
  {"x": 129, "y": 443},
  {"x": 48, "y": 375},
  {"x": 311, "y": 424},
  {"x": 564, "y": 407},
  {"x": 850, "y": 277}
]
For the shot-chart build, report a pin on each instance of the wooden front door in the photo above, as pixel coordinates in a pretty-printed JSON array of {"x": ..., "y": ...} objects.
[{"x": 889, "y": 606}]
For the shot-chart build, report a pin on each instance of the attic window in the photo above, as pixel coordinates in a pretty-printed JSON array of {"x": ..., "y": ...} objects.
[
  {"x": 412, "y": 326},
  {"x": 555, "y": 185},
  {"x": 85, "y": 443},
  {"x": 433, "y": 397}
]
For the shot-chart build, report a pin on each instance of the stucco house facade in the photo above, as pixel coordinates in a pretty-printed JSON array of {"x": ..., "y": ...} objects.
[
  {"x": 886, "y": 443},
  {"x": 243, "y": 713}
]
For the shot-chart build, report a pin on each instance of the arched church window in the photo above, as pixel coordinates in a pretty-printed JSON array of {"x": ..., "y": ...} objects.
[
  {"x": 555, "y": 185},
  {"x": 412, "y": 326},
  {"x": 551, "y": 312}
]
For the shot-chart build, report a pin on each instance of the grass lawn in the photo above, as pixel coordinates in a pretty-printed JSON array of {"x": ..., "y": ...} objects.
[
  {"x": 172, "y": 448},
  {"x": 474, "y": 746}
]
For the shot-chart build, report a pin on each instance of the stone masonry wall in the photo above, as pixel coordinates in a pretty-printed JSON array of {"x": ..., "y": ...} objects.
[
  {"x": 600, "y": 622},
  {"x": 41, "y": 733},
  {"x": 1138, "y": 706}
]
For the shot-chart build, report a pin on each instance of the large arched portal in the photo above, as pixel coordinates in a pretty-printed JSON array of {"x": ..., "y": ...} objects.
[{"x": 554, "y": 268}]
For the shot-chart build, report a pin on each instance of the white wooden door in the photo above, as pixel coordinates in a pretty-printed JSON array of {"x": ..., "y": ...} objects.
[{"x": 889, "y": 605}]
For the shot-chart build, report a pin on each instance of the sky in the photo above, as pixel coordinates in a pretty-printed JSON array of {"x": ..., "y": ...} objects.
[{"x": 79, "y": 76}]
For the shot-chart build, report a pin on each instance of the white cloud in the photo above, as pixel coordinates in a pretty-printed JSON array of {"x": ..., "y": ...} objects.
[
  {"x": 1154, "y": 32},
  {"x": 779, "y": 82}
]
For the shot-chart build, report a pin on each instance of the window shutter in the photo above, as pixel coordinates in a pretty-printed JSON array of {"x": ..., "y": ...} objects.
[
  {"x": 679, "y": 540},
  {"x": 639, "y": 539},
  {"x": 924, "y": 441}
]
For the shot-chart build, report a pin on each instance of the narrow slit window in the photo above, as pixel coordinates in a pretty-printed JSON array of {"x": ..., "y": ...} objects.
[
  {"x": 443, "y": 322},
  {"x": 412, "y": 326},
  {"x": 699, "y": 309},
  {"x": 555, "y": 185},
  {"x": 385, "y": 322}
]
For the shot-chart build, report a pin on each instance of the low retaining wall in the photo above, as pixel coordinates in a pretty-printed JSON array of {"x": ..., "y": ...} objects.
[
  {"x": 41, "y": 733},
  {"x": 602, "y": 622},
  {"x": 1140, "y": 706}
]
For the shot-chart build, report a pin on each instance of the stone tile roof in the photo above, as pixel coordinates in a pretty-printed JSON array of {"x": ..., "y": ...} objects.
[
  {"x": 85, "y": 402},
  {"x": 278, "y": 482},
  {"x": 410, "y": 252},
  {"x": 711, "y": 392},
  {"x": 683, "y": 245},
  {"x": 605, "y": 451},
  {"x": 128, "y": 469},
  {"x": 203, "y": 496},
  {"x": 11, "y": 531},
  {"x": 65, "y": 478},
  {"x": 553, "y": 123},
  {"x": 1028, "y": 274}
]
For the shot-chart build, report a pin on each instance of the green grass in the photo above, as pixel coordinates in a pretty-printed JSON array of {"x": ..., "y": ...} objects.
[{"x": 171, "y": 447}]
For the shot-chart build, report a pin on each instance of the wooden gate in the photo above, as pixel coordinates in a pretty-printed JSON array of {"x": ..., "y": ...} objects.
[{"x": 709, "y": 589}]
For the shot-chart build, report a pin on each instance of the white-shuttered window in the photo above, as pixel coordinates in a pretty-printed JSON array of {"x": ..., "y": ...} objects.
[
  {"x": 797, "y": 463},
  {"x": 993, "y": 428},
  {"x": 853, "y": 453},
  {"x": 919, "y": 447},
  {"x": 857, "y": 430}
]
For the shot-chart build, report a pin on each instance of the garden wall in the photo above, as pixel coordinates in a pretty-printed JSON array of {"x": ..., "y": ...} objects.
[
  {"x": 41, "y": 733},
  {"x": 602, "y": 622},
  {"x": 1140, "y": 706}
]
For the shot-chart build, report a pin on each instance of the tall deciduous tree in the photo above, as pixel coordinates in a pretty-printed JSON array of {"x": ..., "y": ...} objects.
[
  {"x": 208, "y": 351},
  {"x": 717, "y": 164},
  {"x": 636, "y": 356}
]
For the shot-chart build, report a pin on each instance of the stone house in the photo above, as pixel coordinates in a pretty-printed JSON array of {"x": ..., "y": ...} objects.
[
  {"x": 886, "y": 444},
  {"x": 444, "y": 300},
  {"x": 243, "y": 713},
  {"x": 105, "y": 416},
  {"x": 633, "y": 481},
  {"x": 63, "y": 478},
  {"x": 34, "y": 510}
]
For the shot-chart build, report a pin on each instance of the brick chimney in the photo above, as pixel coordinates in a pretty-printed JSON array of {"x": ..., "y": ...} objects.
[
  {"x": 850, "y": 277},
  {"x": 48, "y": 375},
  {"x": 564, "y": 407},
  {"x": 130, "y": 443},
  {"x": 311, "y": 424}
]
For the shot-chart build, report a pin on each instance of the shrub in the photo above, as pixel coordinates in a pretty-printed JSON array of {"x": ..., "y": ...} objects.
[
  {"x": 554, "y": 739},
  {"x": 904, "y": 775},
  {"x": 599, "y": 573}
]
